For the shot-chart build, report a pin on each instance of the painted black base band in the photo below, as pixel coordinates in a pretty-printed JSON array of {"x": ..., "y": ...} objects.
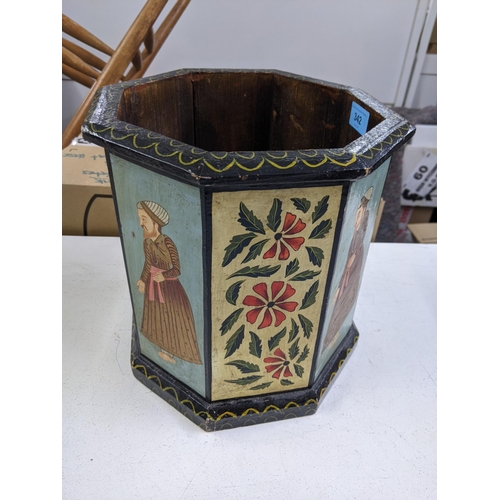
[{"x": 239, "y": 412}]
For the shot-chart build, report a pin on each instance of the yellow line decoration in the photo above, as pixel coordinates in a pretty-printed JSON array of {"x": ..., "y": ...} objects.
[
  {"x": 311, "y": 401},
  {"x": 352, "y": 160},
  {"x": 211, "y": 167},
  {"x": 187, "y": 402},
  {"x": 217, "y": 157},
  {"x": 267, "y": 157},
  {"x": 201, "y": 413},
  {"x": 278, "y": 157},
  {"x": 251, "y": 157},
  {"x": 113, "y": 133},
  {"x": 165, "y": 155},
  {"x": 187, "y": 163},
  {"x": 250, "y": 410},
  {"x": 322, "y": 162},
  {"x": 388, "y": 141},
  {"x": 285, "y": 167},
  {"x": 229, "y": 414},
  {"x": 134, "y": 142},
  {"x": 250, "y": 169},
  {"x": 308, "y": 153}
]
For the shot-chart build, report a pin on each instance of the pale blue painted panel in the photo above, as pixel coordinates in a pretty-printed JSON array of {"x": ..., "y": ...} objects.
[
  {"x": 375, "y": 181},
  {"x": 182, "y": 202}
]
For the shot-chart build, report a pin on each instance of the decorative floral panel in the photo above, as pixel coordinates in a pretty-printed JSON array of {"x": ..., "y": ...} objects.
[{"x": 271, "y": 254}]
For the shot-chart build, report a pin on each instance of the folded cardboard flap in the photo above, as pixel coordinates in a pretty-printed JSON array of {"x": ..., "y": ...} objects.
[
  {"x": 420, "y": 215},
  {"x": 87, "y": 201},
  {"x": 425, "y": 232},
  {"x": 377, "y": 220}
]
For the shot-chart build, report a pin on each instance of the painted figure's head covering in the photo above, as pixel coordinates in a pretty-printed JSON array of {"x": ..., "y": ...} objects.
[
  {"x": 367, "y": 196},
  {"x": 155, "y": 211}
]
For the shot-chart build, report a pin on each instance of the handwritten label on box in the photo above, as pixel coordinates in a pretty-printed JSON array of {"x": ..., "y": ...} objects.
[{"x": 420, "y": 186}]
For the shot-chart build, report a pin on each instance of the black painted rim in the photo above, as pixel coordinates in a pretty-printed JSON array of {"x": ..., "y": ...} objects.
[{"x": 167, "y": 155}]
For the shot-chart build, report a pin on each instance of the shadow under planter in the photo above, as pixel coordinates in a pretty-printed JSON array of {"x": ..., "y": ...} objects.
[{"x": 246, "y": 202}]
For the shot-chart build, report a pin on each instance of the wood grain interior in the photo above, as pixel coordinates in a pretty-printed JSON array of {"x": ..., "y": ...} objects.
[{"x": 244, "y": 111}]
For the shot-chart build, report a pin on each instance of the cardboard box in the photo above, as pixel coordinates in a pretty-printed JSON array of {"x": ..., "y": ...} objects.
[
  {"x": 87, "y": 201},
  {"x": 420, "y": 215},
  {"x": 424, "y": 232},
  {"x": 377, "y": 220},
  {"x": 413, "y": 215},
  {"x": 419, "y": 169}
]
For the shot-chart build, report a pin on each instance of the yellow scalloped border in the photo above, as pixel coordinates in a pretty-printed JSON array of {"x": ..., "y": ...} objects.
[
  {"x": 389, "y": 140},
  {"x": 267, "y": 157},
  {"x": 229, "y": 414}
]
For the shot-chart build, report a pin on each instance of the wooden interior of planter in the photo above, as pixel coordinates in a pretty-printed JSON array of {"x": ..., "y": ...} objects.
[{"x": 243, "y": 112}]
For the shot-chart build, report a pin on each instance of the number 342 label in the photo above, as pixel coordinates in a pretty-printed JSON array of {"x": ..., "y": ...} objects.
[{"x": 359, "y": 118}]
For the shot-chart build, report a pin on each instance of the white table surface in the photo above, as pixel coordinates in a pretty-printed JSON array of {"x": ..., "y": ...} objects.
[{"x": 373, "y": 437}]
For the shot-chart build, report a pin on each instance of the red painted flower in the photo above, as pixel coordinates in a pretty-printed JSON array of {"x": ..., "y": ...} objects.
[
  {"x": 278, "y": 365},
  {"x": 286, "y": 238},
  {"x": 268, "y": 304}
]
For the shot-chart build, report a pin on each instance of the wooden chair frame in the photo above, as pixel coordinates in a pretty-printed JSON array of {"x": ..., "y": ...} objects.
[{"x": 86, "y": 68}]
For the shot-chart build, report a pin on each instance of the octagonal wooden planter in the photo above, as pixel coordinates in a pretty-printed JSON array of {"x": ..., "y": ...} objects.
[{"x": 246, "y": 201}]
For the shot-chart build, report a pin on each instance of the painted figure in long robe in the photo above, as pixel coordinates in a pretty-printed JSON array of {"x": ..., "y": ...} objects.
[
  {"x": 167, "y": 319},
  {"x": 347, "y": 291}
]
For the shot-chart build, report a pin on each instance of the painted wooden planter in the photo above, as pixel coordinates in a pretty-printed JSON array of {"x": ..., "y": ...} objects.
[{"x": 246, "y": 201}]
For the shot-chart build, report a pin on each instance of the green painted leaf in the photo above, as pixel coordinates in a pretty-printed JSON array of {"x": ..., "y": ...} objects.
[
  {"x": 255, "y": 250},
  {"x": 301, "y": 204},
  {"x": 294, "y": 330},
  {"x": 310, "y": 296},
  {"x": 274, "y": 217},
  {"x": 233, "y": 292},
  {"x": 321, "y": 230},
  {"x": 235, "y": 341},
  {"x": 298, "y": 370},
  {"x": 307, "y": 326},
  {"x": 304, "y": 354},
  {"x": 305, "y": 275},
  {"x": 236, "y": 246},
  {"x": 294, "y": 350},
  {"x": 245, "y": 380},
  {"x": 274, "y": 341},
  {"x": 261, "y": 386},
  {"x": 292, "y": 267},
  {"x": 316, "y": 255},
  {"x": 256, "y": 271},
  {"x": 249, "y": 221},
  {"x": 244, "y": 366},
  {"x": 284, "y": 381},
  {"x": 255, "y": 345},
  {"x": 320, "y": 209},
  {"x": 228, "y": 323}
]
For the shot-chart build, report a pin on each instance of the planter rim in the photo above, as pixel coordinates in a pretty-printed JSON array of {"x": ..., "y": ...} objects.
[{"x": 167, "y": 155}]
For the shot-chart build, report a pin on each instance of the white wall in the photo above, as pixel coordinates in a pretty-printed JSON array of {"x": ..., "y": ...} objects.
[
  {"x": 426, "y": 90},
  {"x": 363, "y": 43}
]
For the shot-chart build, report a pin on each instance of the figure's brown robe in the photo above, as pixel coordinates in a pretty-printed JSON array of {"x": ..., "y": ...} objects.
[
  {"x": 349, "y": 283},
  {"x": 167, "y": 320}
]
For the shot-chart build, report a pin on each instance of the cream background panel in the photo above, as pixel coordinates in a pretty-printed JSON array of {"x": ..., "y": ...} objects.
[{"x": 225, "y": 215}]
